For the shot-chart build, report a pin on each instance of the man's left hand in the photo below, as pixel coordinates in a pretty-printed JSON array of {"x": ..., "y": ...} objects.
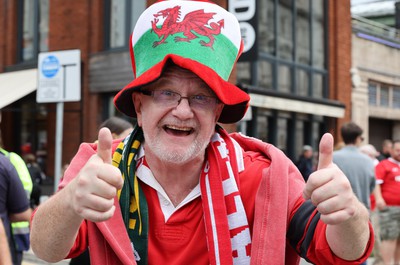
[{"x": 329, "y": 189}]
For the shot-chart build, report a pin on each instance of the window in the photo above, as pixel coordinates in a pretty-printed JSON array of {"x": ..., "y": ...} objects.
[
  {"x": 292, "y": 45},
  {"x": 383, "y": 95},
  {"x": 33, "y": 29},
  {"x": 396, "y": 98},
  {"x": 122, "y": 16},
  {"x": 372, "y": 94}
]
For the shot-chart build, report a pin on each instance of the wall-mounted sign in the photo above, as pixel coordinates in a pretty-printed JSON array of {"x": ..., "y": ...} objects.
[{"x": 59, "y": 76}]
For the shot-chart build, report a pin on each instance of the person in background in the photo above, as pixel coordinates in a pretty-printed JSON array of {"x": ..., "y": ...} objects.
[
  {"x": 5, "y": 254},
  {"x": 388, "y": 203},
  {"x": 305, "y": 162},
  {"x": 119, "y": 129},
  {"x": 37, "y": 177},
  {"x": 180, "y": 189},
  {"x": 357, "y": 167},
  {"x": 386, "y": 149},
  {"x": 371, "y": 151},
  {"x": 20, "y": 230},
  {"x": 14, "y": 205}
]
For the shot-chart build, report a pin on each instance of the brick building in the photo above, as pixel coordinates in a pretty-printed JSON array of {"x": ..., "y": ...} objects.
[{"x": 298, "y": 75}]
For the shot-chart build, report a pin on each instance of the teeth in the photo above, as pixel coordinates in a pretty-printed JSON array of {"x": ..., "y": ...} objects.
[{"x": 186, "y": 129}]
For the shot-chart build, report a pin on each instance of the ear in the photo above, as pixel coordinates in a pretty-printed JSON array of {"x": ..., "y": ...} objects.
[{"x": 137, "y": 103}]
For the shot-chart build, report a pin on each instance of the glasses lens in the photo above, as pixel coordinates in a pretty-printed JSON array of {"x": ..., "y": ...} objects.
[
  {"x": 201, "y": 101},
  {"x": 166, "y": 97}
]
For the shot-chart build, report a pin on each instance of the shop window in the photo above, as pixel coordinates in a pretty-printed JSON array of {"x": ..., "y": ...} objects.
[
  {"x": 285, "y": 25},
  {"x": 292, "y": 48},
  {"x": 320, "y": 90},
  {"x": 33, "y": 29},
  {"x": 264, "y": 74},
  {"x": 284, "y": 79},
  {"x": 303, "y": 82},
  {"x": 121, "y": 20},
  {"x": 303, "y": 31}
]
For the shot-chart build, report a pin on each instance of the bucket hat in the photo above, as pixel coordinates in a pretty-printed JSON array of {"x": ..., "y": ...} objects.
[{"x": 196, "y": 35}]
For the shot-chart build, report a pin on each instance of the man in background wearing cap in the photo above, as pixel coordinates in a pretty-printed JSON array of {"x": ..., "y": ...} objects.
[
  {"x": 190, "y": 193},
  {"x": 305, "y": 162}
]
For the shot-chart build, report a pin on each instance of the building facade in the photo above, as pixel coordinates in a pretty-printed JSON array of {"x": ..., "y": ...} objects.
[
  {"x": 298, "y": 77},
  {"x": 375, "y": 71}
]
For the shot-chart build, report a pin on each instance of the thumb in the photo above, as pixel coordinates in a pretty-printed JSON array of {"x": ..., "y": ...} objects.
[
  {"x": 104, "y": 145},
  {"x": 325, "y": 151}
]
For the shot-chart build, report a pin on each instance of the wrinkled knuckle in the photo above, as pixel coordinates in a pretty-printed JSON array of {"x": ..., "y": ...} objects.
[
  {"x": 316, "y": 198},
  {"x": 323, "y": 209}
]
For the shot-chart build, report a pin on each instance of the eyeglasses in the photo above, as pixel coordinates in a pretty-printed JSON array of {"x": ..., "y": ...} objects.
[{"x": 169, "y": 98}]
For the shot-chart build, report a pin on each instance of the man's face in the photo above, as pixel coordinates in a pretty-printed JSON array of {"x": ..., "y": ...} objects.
[
  {"x": 308, "y": 153},
  {"x": 387, "y": 147},
  {"x": 395, "y": 152},
  {"x": 177, "y": 132}
]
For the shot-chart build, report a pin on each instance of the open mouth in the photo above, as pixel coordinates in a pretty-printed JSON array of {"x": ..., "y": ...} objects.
[{"x": 178, "y": 131}]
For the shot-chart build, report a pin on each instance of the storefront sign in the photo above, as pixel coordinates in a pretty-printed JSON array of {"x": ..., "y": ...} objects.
[{"x": 246, "y": 12}]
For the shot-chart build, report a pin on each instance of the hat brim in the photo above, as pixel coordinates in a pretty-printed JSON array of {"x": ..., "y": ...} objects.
[{"x": 234, "y": 99}]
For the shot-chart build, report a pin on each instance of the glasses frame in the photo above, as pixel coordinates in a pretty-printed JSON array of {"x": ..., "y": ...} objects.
[{"x": 212, "y": 101}]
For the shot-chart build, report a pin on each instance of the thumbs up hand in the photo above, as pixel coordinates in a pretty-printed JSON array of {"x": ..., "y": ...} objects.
[
  {"x": 93, "y": 190},
  {"x": 329, "y": 189}
]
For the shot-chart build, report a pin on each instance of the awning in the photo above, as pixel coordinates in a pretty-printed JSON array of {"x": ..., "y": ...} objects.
[
  {"x": 286, "y": 104},
  {"x": 16, "y": 85}
]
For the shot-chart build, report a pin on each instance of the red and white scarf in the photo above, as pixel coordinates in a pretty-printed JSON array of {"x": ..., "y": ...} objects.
[{"x": 228, "y": 233}]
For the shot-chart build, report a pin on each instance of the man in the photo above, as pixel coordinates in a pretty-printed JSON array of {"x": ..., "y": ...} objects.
[
  {"x": 388, "y": 203},
  {"x": 357, "y": 166},
  {"x": 14, "y": 205},
  {"x": 371, "y": 152},
  {"x": 305, "y": 162},
  {"x": 20, "y": 230},
  {"x": 190, "y": 193},
  {"x": 119, "y": 129},
  {"x": 386, "y": 149}
]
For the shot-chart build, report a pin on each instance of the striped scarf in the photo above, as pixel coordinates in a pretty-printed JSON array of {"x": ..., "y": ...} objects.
[{"x": 227, "y": 229}]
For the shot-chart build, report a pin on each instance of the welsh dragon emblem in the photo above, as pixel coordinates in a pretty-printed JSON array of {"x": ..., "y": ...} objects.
[{"x": 195, "y": 22}]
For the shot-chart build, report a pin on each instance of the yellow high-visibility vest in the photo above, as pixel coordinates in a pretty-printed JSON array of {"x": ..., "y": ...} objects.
[{"x": 25, "y": 177}]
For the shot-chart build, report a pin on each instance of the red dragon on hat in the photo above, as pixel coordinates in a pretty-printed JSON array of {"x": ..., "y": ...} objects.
[{"x": 194, "y": 22}]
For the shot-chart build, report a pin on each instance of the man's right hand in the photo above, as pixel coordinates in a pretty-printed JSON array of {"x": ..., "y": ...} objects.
[{"x": 93, "y": 191}]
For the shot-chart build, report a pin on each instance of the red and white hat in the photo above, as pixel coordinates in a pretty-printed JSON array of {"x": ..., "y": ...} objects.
[{"x": 196, "y": 35}]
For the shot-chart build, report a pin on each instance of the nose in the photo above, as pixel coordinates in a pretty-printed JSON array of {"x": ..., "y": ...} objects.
[{"x": 183, "y": 110}]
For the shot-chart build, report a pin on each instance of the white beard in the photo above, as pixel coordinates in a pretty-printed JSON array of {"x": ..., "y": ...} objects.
[{"x": 175, "y": 156}]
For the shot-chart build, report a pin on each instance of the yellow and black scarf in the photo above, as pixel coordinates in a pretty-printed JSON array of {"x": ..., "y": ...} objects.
[{"x": 131, "y": 197}]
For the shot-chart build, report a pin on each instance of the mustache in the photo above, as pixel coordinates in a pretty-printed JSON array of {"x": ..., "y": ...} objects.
[{"x": 178, "y": 123}]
